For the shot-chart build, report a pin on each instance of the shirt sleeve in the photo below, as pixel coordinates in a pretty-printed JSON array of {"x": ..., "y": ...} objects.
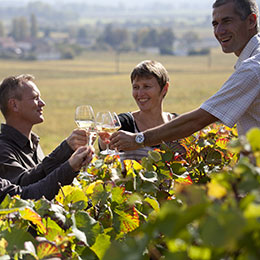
[
  {"x": 6, "y": 187},
  {"x": 50, "y": 185},
  {"x": 61, "y": 154},
  {"x": 11, "y": 169},
  {"x": 235, "y": 96},
  {"x": 47, "y": 187}
]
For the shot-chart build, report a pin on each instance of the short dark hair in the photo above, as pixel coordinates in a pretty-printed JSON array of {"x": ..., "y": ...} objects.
[
  {"x": 242, "y": 7},
  {"x": 11, "y": 87},
  {"x": 150, "y": 68}
]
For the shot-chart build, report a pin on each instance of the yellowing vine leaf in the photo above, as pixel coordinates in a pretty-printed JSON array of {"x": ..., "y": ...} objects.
[
  {"x": 131, "y": 165},
  {"x": 48, "y": 250},
  {"x": 222, "y": 143},
  {"x": 153, "y": 203},
  {"x": 129, "y": 222},
  {"x": 64, "y": 191},
  {"x": 35, "y": 218},
  {"x": 90, "y": 189}
]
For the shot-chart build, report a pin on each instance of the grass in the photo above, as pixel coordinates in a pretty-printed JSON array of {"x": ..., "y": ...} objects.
[{"x": 91, "y": 79}]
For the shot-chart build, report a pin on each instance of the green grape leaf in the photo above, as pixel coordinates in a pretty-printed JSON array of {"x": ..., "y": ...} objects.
[
  {"x": 253, "y": 136},
  {"x": 101, "y": 245},
  {"x": 88, "y": 225},
  {"x": 223, "y": 229},
  {"x": 155, "y": 156},
  {"x": 149, "y": 176},
  {"x": 177, "y": 168},
  {"x": 16, "y": 238},
  {"x": 118, "y": 195}
]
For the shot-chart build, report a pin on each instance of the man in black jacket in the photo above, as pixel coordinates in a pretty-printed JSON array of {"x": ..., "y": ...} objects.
[
  {"x": 49, "y": 186},
  {"x": 21, "y": 159}
]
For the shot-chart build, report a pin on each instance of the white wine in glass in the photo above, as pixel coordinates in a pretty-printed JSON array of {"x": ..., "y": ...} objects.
[
  {"x": 117, "y": 126},
  {"x": 104, "y": 123},
  {"x": 85, "y": 118}
]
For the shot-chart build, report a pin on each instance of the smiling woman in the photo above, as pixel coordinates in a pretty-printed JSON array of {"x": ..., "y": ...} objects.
[{"x": 150, "y": 83}]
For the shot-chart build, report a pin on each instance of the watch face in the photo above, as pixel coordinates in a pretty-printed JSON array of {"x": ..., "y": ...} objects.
[{"x": 139, "y": 138}]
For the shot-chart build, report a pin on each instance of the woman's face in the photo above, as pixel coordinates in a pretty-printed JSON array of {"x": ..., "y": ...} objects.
[{"x": 147, "y": 93}]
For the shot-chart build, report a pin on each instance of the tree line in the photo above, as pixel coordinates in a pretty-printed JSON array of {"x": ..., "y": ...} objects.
[{"x": 110, "y": 36}]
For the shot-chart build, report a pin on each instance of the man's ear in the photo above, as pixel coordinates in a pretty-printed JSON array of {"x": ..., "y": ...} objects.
[
  {"x": 13, "y": 105},
  {"x": 252, "y": 19}
]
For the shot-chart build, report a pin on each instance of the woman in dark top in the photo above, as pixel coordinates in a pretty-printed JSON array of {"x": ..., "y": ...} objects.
[{"x": 150, "y": 83}]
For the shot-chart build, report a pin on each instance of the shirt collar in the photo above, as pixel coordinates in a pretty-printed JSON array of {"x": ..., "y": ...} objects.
[
  {"x": 20, "y": 139},
  {"x": 249, "y": 50}
]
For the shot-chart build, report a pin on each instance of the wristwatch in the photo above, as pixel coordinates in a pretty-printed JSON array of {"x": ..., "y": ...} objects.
[{"x": 139, "y": 139}]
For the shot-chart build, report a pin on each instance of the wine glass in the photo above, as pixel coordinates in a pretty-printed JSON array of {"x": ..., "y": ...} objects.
[
  {"x": 85, "y": 118},
  {"x": 116, "y": 121},
  {"x": 117, "y": 126},
  {"x": 105, "y": 125}
]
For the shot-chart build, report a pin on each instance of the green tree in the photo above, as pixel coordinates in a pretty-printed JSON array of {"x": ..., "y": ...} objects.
[
  {"x": 34, "y": 26},
  {"x": 117, "y": 38},
  {"x": 166, "y": 40},
  {"x": 15, "y": 28},
  {"x": 150, "y": 38},
  {"x": 190, "y": 39},
  {"x": 2, "y": 29},
  {"x": 20, "y": 29},
  {"x": 82, "y": 33}
]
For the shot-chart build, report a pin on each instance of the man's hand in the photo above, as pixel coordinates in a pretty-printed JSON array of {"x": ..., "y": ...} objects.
[
  {"x": 81, "y": 157},
  {"x": 79, "y": 137},
  {"x": 123, "y": 141}
]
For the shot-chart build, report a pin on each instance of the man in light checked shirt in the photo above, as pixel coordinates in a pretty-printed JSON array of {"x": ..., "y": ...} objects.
[{"x": 235, "y": 24}]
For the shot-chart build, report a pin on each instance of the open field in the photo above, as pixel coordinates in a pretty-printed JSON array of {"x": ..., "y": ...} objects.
[{"x": 91, "y": 79}]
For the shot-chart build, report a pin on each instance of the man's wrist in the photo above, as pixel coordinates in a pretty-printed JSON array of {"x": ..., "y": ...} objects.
[{"x": 140, "y": 139}]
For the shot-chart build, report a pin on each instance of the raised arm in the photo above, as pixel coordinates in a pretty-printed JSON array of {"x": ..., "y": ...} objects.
[
  {"x": 180, "y": 127},
  {"x": 23, "y": 171},
  {"x": 49, "y": 186}
]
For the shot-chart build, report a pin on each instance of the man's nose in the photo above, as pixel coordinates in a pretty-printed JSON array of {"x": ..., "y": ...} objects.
[
  {"x": 220, "y": 29},
  {"x": 41, "y": 103}
]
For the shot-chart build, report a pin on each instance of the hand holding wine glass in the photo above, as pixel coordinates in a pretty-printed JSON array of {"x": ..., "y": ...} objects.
[
  {"x": 85, "y": 118},
  {"x": 103, "y": 123},
  {"x": 107, "y": 123},
  {"x": 117, "y": 126}
]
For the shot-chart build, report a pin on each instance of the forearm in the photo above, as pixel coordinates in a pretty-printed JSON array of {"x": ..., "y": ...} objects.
[
  {"x": 178, "y": 128},
  {"x": 183, "y": 126},
  {"x": 61, "y": 154},
  {"x": 50, "y": 185}
]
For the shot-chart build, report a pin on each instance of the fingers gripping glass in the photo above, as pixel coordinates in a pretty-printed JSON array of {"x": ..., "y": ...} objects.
[
  {"x": 117, "y": 125},
  {"x": 85, "y": 118},
  {"x": 107, "y": 123}
]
